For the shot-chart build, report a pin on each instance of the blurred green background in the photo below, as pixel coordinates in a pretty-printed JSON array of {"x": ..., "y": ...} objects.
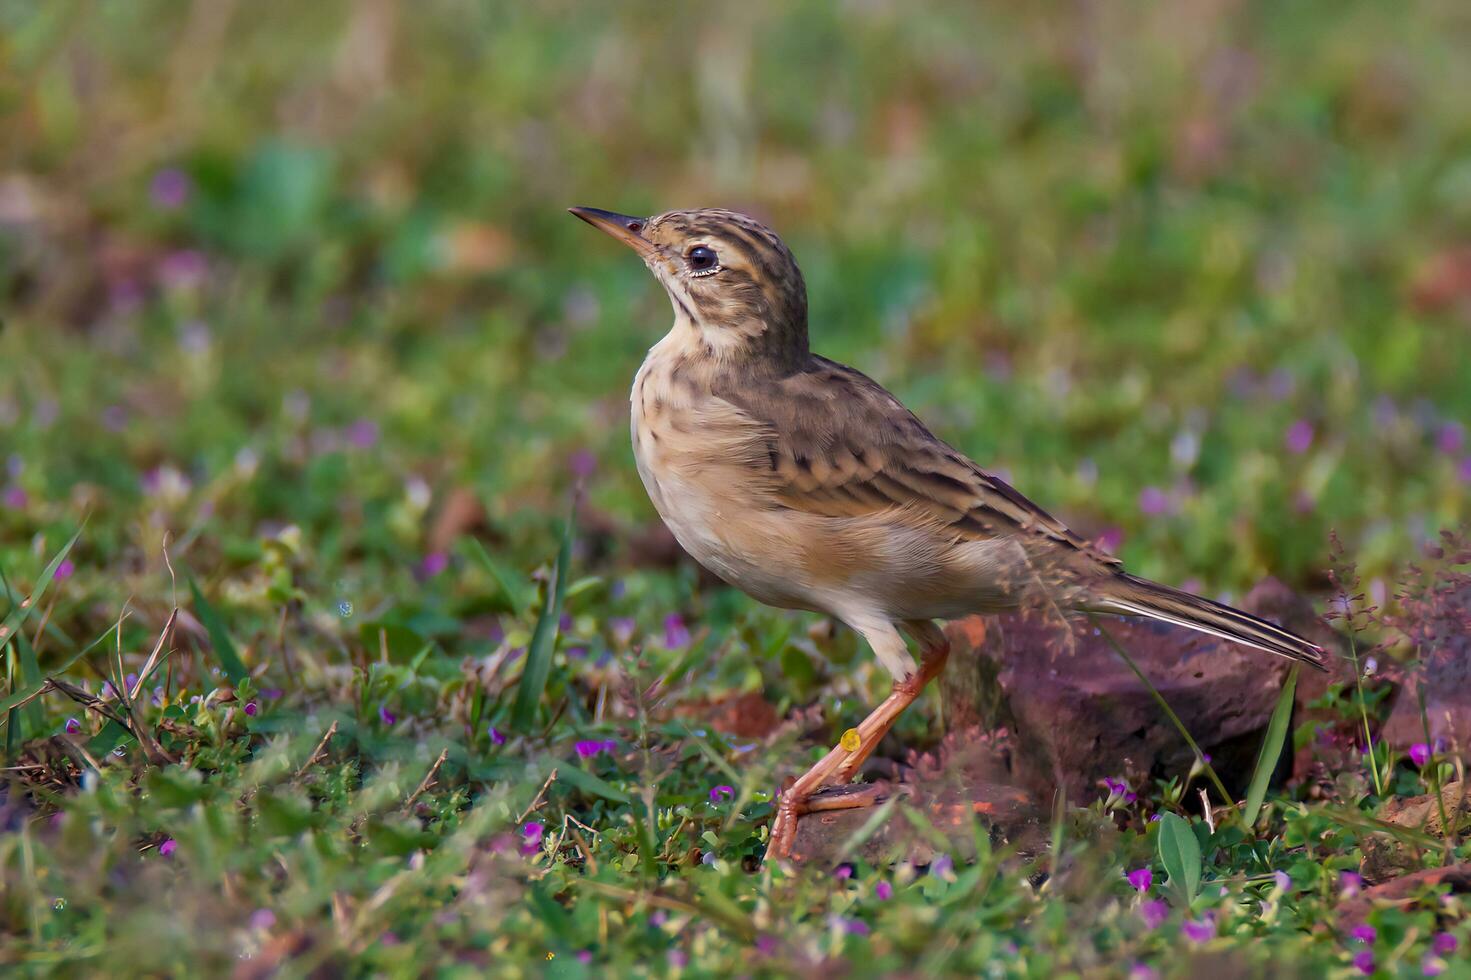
[
  {"x": 292, "y": 288},
  {"x": 1193, "y": 275}
]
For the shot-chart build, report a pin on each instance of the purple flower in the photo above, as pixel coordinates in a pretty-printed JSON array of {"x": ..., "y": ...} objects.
[
  {"x": 73, "y": 726},
  {"x": 532, "y": 830},
  {"x": 433, "y": 563},
  {"x": 678, "y": 958},
  {"x": 717, "y": 793},
  {"x": 1115, "y": 787},
  {"x": 497, "y": 737},
  {"x": 590, "y": 747},
  {"x": 170, "y": 189},
  {"x": 1154, "y": 913},
  {"x": 1464, "y": 470},
  {"x": 1299, "y": 437},
  {"x": 1153, "y": 501},
  {"x": 1363, "y": 933},
  {"x": 1350, "y": 883},
  {"x": 622, "y": 628},
  {"x": 1140, "y": 879},
  {"x": 1364, "y": 961},
  {"x": 1283, "y": 880},
  {"x": 584, "y": 956},
  {"x": 252, "y": 709},
  {"x": 1444, "y": 944},
  {"x": 843, "y": 872},
  {"x": 582, "y": 464},
  {"x": 1109, "y": 539},
  {"x": 168, "y": 847},
  {"x": 942, "y": 866},
  {"x": 1420, "y": 754},
  {"x": 1198, "y": 930},
  {"x": 15, "y": 498},
  {"x": 262, "y": 919},
  {"x": 1431, "y": 965},
  {"x": 855, "y": 927},
  {"x": 363, "y": 434},
  {"x": 765, "y": 944},
  {"x": 64, "y": 570},
  {"x": 387, "y": 717},
  {"x": 676, "y": 634},
  {"x": 1450, "y": 438},
  {"x": 183, "y": 269},
  {"x": 1143, "y": 971},
  {"x": 883, "y": 891}
]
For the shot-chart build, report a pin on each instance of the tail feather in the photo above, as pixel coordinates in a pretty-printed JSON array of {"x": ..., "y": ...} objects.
[{"x": 1141, "y": 597}]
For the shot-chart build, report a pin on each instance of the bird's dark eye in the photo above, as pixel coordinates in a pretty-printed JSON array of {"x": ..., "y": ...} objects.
[{"x": 702, "y": 258}]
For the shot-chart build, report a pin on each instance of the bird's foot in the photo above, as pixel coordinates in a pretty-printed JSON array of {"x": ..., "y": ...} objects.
[{"x": 793, "y": 807}]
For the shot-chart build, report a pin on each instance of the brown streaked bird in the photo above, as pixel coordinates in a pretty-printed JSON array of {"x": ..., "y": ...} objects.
[{"x": 808, "y": 486}]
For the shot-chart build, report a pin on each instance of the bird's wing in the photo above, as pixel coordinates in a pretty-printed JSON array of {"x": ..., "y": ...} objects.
[{"x": 838, "y": 445}]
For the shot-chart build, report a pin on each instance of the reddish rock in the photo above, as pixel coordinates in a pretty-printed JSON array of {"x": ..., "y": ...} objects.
[
  {"x": 1078, "y": 714},
  {"x": 964, "y": 783}
]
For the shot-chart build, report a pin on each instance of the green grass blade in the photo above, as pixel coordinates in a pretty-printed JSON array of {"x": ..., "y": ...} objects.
[
  {"x": 512, "y": 587},
  {"x": 17, "y": 616},
  {"x": 543, "y": 640},
  {"x": 1271, "y": 750},
  {"x": 30, "y": 676},
  {"x": 1179, "y": 852},
  {"x": 219, "y": 638}
]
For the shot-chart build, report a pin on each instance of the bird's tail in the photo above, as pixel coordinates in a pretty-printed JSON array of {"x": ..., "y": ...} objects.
[{"x": 1140, "y": 597}]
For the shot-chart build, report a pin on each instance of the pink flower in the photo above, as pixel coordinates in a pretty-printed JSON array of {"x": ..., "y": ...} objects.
[
  {"x": 1363, "y": 933},
  {"x": 1299, "y": 437},
  {"x": 1198, "y": 930},
  {"x": 1154, "y": 913},
  {"x": 1140, "y": 879},
  {"x": 262, "y": 919},
  {"x": 168, "y": 847},
  {"x": 1431, "y": 965},
  {"x": 170, "y": 189},
  {"x": 1464, "y": 470},
  {"x": 676, "y": 634},
  {"x": 883, "y": 891},
  {"x": 64, "y": 570},
  {"x": 582, "y": 463},
  {"x": 433, "y": 563},
  {"x": 1420, "y": 754},
  {"x": 1153, "y": 501},
  {"x": 363, "y": 434},
  {"x": 1451, "y": 438},
  {"x": 15, "y": 498},
  {"x": 1350, "y": 883},
  {"x": 1444, "y": 944}
]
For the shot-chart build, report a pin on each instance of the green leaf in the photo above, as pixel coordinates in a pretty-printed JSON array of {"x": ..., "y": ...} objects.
[
  {"x": 219, "y": 639},
  {"x": 1179, "y": 852},
  {"x": 1271, "y": 750},
  {"x": 590, "y": 783},
  {"x": 543, "y": 640}
]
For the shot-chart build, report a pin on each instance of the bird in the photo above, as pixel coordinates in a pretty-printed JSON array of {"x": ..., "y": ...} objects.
[{"x": 807, "y": 485}]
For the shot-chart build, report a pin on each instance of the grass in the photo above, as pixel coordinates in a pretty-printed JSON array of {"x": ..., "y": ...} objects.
[{"x": 298, "y": 340}]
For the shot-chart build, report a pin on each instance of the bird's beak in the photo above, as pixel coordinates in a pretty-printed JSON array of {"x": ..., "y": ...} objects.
[{"x": 626, "y": 229}]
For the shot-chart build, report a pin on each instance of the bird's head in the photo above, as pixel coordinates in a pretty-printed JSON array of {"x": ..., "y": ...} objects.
[{"x": 727, "y": 275}]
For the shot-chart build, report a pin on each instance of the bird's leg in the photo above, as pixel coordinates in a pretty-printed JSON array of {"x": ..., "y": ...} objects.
[
  {"x": 873, "y": 728},
  {"x": 840, "y": 764}
]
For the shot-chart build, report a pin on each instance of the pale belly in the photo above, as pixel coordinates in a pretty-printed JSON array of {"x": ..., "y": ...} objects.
[{"x": 744, "y": 549}]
